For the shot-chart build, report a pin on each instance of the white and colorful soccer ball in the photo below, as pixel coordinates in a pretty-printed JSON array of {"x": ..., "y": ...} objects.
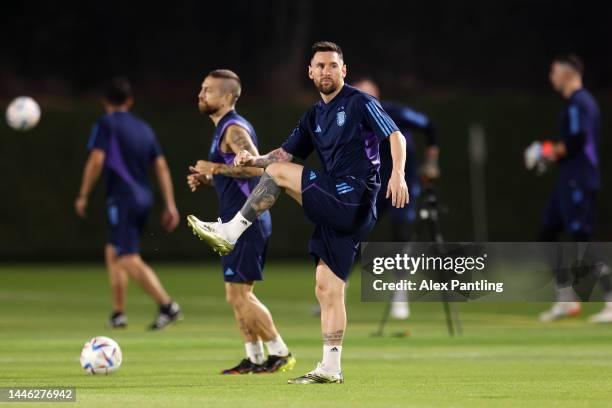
[
  {"x": 101, "y": 355},
  {"x": 23, "y": 113}
]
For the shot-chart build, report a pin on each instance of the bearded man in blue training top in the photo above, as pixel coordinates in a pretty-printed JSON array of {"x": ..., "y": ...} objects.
[
  {"x": 244, "y": 266},
  {"x": 344, "y": 128}
]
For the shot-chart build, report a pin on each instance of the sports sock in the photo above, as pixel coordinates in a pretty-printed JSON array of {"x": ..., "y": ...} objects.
[
  {"x": 277, "y": 347},
  {"x": 235, "y": 227},
  {"x": 602, "y": 271},
  {"x": 255, "y": 351},
  {"x": 331, "y": 359},
  {"x": 566, "y": 294},
  {"x": 400, "y": 296},
  {"x": 262, "y": 198}
]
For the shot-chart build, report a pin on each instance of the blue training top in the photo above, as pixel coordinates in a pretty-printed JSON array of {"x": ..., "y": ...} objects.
[
  {"x": 580, "y": 126},
  {"x": 131, "y": 147},
  {"x": 233, "y": 192},
  {"x": 345, "y": 133}
]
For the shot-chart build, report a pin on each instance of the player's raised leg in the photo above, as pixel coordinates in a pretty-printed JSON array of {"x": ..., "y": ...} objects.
[
  {"x": 138, "y": 269},
  {"x": 330, "y": 294},
  {"x": 118, "y": 279},
  {"x": 222, "y": 237}
]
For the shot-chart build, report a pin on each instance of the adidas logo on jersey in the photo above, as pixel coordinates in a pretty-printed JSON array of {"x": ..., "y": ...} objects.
[{"x": 318, "y": 130}]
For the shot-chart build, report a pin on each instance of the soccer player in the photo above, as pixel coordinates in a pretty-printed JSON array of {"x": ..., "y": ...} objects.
[
  {"x": 407, "y": 120},
  {"x": 124, "y": 147},
  {"x": 571, "y": 205},
  {"x": 241, "y": 268},
  {"x": 344, "y": 127}
]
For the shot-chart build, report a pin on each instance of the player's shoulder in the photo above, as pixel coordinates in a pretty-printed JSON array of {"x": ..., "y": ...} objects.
[
  {"x": 358, "y": 96},
  {"x": 139, "y": 121},
  {"x": 103, "y": 120},
  {"x": 356, "y": 100},
  {"x": 238, "y": 121},
  {"x": 583, "y": 98}
]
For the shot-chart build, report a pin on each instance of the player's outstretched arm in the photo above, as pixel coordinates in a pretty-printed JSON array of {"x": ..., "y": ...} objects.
[
  {"x": 245, "y": 158},
  {"x": 396, "y": 188},
  {"x": 91, "y": 174},
  {"x": 237, "y": 139},
  {"x": 170, "y": 216}
]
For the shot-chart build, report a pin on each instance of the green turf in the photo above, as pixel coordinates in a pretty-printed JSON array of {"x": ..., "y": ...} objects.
[{"x": 504, "y": 359}]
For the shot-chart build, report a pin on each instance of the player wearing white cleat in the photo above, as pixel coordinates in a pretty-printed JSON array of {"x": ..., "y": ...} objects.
[
  {"x": 318, "y": 376},
  {"x": 560, "y": 310},
  {"x": 213, "y": 233},
  {"x": 605, "y": 316}
]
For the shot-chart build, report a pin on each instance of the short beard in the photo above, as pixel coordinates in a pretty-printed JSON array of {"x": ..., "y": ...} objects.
[
  {"x": 327, "y": 90},
  {"x": 207, "y": 109}
]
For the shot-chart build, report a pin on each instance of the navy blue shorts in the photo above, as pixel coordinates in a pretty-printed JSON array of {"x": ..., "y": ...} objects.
[
  {"x": 570, "y": 208},
  {"x": 246, "y": 262},
  {"x": 341, "y": 209},
  {"x": 126, "y": 221}
]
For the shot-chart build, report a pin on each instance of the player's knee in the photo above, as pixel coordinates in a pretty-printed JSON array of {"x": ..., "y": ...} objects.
[
  {"x": 327, "y": 294},
  {"x": 235, "y": 297},
  {"x": 275, "y": 171},
  {"x": 129, "y": 262}
]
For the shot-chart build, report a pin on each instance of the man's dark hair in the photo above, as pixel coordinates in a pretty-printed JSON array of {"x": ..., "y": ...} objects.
[
  {"x": 234, "y": 84},
  {"x": 118, "y": 91},
  {"x": 572, "y": 60},
  {"x": 323, "y": 46}
]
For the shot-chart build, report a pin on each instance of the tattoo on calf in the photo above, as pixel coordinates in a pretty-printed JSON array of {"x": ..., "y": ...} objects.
[
  {"x": 333, "y": 338},
  {"x": 262, "y": 198},
  {"x": 244, "y": 328}
]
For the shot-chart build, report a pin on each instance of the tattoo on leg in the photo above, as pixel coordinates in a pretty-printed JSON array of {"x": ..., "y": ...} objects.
[
  {"x": 244, "y": 328},
  {"x": 333, "y": 338},
  {"x": 262, "y": 198}
]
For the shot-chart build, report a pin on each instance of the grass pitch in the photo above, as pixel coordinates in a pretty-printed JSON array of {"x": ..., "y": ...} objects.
[{"x": 504, "y": 359}]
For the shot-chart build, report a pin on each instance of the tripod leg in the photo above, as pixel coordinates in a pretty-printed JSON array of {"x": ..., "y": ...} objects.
[
  {"x": 384, "y": 318},
  {"x": 449, "y": 319},
  {"x": 456, "y": 319}
]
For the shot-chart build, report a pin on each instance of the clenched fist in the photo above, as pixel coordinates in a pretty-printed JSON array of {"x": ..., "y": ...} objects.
[{"x": 243, "y": 158}]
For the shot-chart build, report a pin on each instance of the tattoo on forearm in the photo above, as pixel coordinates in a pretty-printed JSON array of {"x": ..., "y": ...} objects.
[
  {"x": 261, "y": 199},
  {"x": 236, "y": 171},
  {"x": 333, "y": 338},
  {"x": 275, "y": 156}
]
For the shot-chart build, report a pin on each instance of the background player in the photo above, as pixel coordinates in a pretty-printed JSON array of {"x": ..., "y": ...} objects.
[
  {"x": 242, "y": 267},
  {"x": 124, "y": 146},
  {"x": 344, "y": 128},
  {"x": 407, "y": 120},
  {"x": 571, "y": 205}
]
